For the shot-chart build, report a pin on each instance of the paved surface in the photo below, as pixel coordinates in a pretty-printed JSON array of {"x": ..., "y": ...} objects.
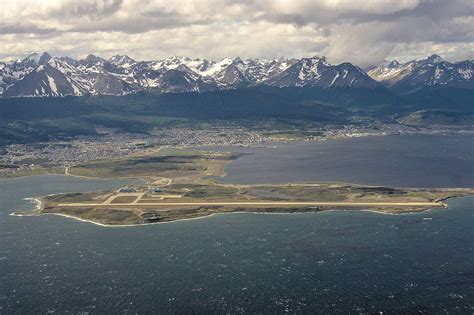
[
  {"x": 260, "y": 203},
  {"x": 138, "y": 196}
]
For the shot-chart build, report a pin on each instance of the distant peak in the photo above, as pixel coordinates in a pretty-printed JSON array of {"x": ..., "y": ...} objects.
[
  {"x": 238, "y": 60},
  {"x": 92, "y": 57},
  {"x": 121, "y": 59},
  {"x": 226, "y": 60},
  {"x": 434, "y": 58},
  {"x": 33, "y": 56},
  {"x": 45, "y": 57},
  {"x": 321, "y": 59},
  {"x": 315, "y": 60},
  {"x": 393, "y": 64}
]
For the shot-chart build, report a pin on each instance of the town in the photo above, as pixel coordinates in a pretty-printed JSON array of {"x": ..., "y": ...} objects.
[{"x": 17, "y": 158}]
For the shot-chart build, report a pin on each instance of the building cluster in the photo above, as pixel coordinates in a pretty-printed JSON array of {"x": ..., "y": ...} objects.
[
  {"x": 115, "y": 145},
  {"x": 216, "y": 136},
  {"x": 62, "y": 153}
]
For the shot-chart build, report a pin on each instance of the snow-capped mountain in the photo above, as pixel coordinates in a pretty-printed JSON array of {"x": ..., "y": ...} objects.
[
  {"x": 433, "y": 71},
  {"x": 318, "y": 72},
  {"x": 43, "y": 75},
  {"x": 15, "y": 71}
]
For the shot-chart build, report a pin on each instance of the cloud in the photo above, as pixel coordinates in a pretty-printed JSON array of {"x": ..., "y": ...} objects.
[
  {"x": 24, "y": 28},
  {"x": 363, "y": 32},
  {"x": 332, "y": 11},
  {"x": 92, "y": 9}
]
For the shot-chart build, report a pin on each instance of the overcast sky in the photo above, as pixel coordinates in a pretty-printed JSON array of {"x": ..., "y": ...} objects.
[{"x": 363, "y": 32}]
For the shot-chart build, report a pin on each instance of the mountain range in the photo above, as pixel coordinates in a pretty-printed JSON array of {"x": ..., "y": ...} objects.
[
  {"x": 431, "y": 72},
  {"x": 42, "y": 75}
]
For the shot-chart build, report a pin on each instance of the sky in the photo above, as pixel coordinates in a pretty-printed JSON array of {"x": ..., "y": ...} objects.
[{"x": 364, "y": 32}]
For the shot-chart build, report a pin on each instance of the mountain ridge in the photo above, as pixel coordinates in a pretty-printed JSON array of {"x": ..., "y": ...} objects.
[
  {"x": 432, "y": 71},
  {"x": 43, "y": 75}
]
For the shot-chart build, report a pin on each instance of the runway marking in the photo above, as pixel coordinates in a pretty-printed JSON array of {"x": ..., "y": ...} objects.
[{"x": 250, "y": 203}]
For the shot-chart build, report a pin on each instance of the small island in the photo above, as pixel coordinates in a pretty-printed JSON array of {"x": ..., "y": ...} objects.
[{"x": 180, "y": 185}]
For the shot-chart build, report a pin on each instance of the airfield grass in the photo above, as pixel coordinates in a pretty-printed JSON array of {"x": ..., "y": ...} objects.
[
  {"x": 145, "y": 166},
  {"x": 34, "y": 171},
  {"x": 187, "y": 182},
  {"x": 124, "y": 199},
  {"x": 208, "y": 191},
  {"x": 103, "y": 216}
]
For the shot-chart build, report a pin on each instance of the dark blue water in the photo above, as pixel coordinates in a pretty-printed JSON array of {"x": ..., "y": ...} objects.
[
  {"x": 330, "y": 262},
  {"x": 397, "y": 161}
]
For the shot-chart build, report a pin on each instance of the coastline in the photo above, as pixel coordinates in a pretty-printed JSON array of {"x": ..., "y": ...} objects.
[
  {"x": 125, "y": 225},
  {"x": 39, "y": 204},
  {"x": 264, "y": 145},
  {"x": 42, "y": 203},
  {"x": 71, "y": 175}
]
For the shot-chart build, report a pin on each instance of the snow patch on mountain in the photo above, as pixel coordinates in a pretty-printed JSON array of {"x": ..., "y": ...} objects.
[
  {"x": 432, "y": 71},
  {"x": 52, "y": 85},
  {"x": 45, "y": 75}
]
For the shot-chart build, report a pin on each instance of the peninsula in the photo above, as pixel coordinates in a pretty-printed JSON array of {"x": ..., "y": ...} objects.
[{"x": 179, "y": 184}]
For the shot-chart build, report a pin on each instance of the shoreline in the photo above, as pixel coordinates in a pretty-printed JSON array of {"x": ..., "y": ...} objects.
[
  {"x": 42, "y": 203},
  {"x": 39, "y": 203},
  {"x": 71, "y": 175},
  {"x": 271, "y": 144},
  {"x": 123, "y": 225},
  {"x": 206, "y": 178},
  {"x": 214, "y": 214}
]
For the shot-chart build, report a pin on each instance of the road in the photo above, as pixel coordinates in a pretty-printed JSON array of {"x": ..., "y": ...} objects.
[{"x": 261, "y": 203}]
